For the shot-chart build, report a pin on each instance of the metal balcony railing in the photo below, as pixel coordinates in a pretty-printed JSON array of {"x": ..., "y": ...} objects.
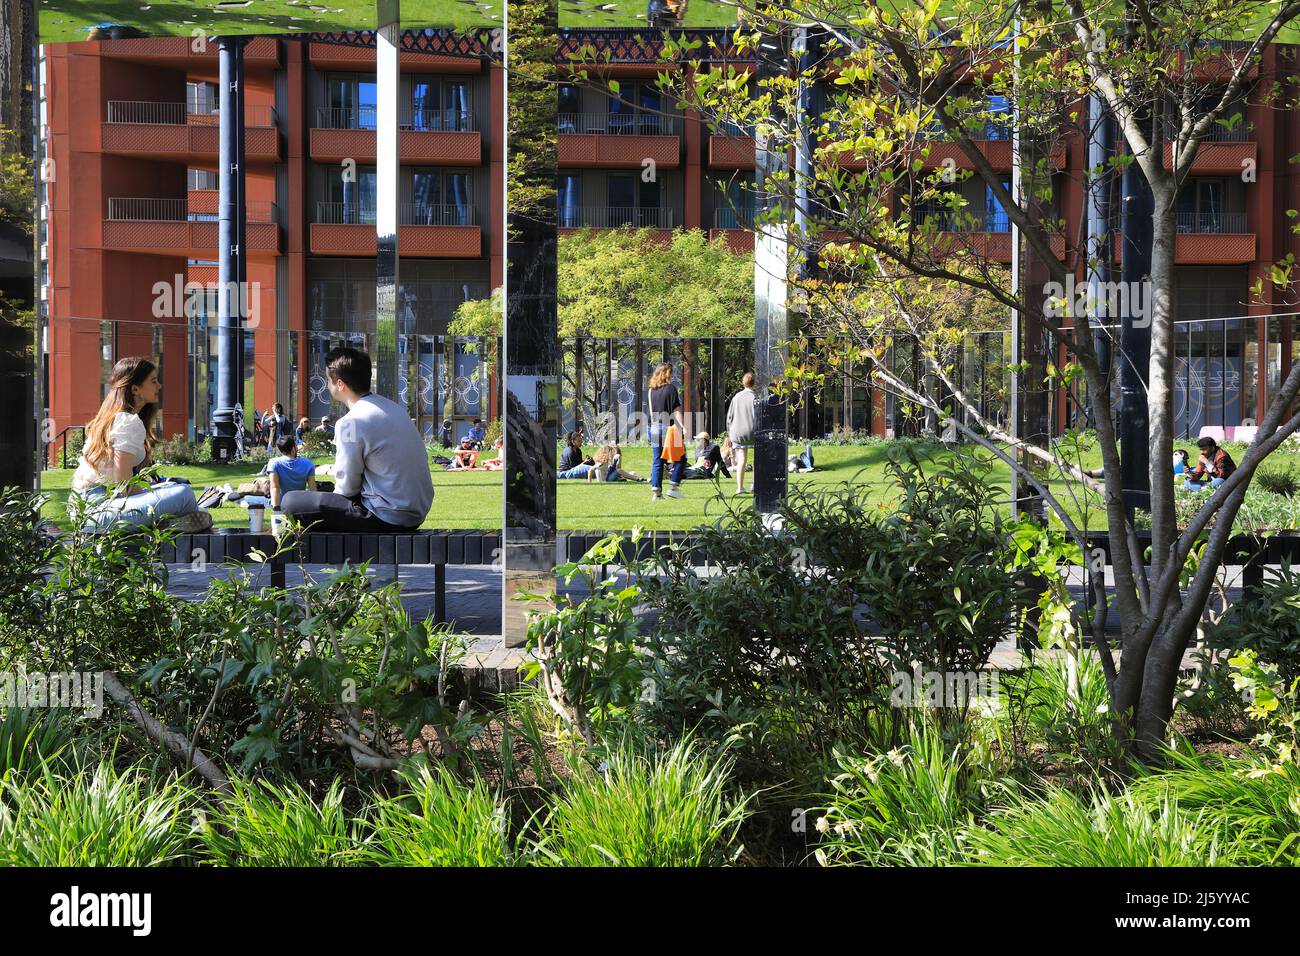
[
  {"x": 1219, "y": 133},
  {"x": 444, "y": 121},
  {"x": 614, "y": 217},
  {"x": 408, "y": 214},
  {"x": 131, "y": 209},
  {"x": 631, "y": 123},
  {"x": 728, "y": 128},
  {"x": 149, "y": 113},
  {"x": 1201, "y": 222},
  {"x": 947, "y": 220},
  {"x": 345, "y": 118},
  {"x": 725, "y": 217}
]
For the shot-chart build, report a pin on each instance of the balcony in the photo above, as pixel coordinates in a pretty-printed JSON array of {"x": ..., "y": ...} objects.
[
  {"x": 168, "y": 227},
  {"x": 1223, "y": 151},
  {"x": 985, "y": 234},
  {"x": 619, "y": 140},
  {"x": 444, "y": 137},
  {"x": 616, "y": 217},
  {"x": 259, "y": 53},
  {"x": 159, "y": 130},
  {"x": 732, "y": 147},
  {"x": 428, "y": 231},
  {"x": 1213, "y": 238},
  {"x": 734, "y": 225}
]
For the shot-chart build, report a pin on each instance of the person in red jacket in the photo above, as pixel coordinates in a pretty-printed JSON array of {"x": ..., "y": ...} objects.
[{"x": 1213, "y": 468}]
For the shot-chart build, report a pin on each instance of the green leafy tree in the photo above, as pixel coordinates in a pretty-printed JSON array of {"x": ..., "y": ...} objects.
[{"x": 909, "y": 83}]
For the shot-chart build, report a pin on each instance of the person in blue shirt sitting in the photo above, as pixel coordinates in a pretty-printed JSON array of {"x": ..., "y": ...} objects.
[
  {"x": 477, "y": 433},
  {"x": 289, "y": 472}
]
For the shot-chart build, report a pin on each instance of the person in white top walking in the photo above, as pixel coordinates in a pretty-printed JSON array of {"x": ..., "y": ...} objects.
[
  {"x": 119, "y": 440},
  {"x": 740, "y": 427}
]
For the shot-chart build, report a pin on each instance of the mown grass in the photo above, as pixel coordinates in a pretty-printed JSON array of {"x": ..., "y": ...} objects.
[{"x": 473, "y": 499}]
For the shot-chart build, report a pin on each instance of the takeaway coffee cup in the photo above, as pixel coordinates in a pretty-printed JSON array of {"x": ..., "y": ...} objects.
[
  {"x": 279, "y": 523},
  {"x": 256, "y": 518}
]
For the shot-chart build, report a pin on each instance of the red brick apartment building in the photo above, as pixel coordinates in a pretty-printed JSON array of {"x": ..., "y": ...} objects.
[{"x": 130, "y": 130}]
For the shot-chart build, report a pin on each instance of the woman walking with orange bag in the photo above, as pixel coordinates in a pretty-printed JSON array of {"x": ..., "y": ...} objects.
[{"x": 667, "y": 431}]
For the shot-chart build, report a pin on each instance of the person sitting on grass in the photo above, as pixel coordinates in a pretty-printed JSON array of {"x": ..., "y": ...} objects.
[
  {"x": 463, "y": 457},
  {"x": 381, "y": 473},
  {"x": 477, "y": 433},
  {"x": 1213, "y": 468},
  {"x": 608, "y": 466},
  {"x": 494, "y": 463},
  {"x": 708, "y": 459},
  {"x": 119, "y": 442},
  {"x": 325, "y": 427},
  {"x": 573, "y": 464},
  {"x": 287, "y": 472}
]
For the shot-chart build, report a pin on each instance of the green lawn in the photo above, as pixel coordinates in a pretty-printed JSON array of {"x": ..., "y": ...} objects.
[
  {"x": 63, "y": 21},
  {"x": 473, "y": 499}
]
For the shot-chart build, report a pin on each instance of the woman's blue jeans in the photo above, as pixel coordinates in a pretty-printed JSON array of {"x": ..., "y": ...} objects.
[
  {"x": 657, "y": 433},
  {"x": 146, "y": 508}
]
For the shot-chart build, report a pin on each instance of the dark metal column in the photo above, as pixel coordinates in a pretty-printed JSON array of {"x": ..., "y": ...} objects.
[
  {"x": 1135, "y": 340},
  {"x": 531, "y": 361},
  {"x": 1100, "y": 246},
  {"x": 231, "y": 269}
]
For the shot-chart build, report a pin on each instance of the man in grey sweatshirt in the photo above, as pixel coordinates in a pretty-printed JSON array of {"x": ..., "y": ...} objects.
[{"x": 381, "y": 472}]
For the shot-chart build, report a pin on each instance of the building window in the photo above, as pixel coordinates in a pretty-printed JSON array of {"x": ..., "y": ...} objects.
[
  {"x": 441, "y": 104},
  {"x": 351, "y": 101},
  {"x": 569, "y": 197},
  {"x": 570, "y": 108},
  {"x": 201, "y": 98},
  {"x": 1200, "y": 207},
  {"x": 201, "y": 179},
  {"x": 439, "y": 197}
]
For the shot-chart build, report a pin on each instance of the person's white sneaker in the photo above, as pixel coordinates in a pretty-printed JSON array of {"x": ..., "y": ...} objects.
[
  {"x": 741, "y": 491},
  {"x": 674, "y": 493},
  {"x": 655, "y": 496}
]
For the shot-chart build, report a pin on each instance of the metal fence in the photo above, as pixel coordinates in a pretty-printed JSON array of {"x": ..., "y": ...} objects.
[
  {"x": 614, "y": 217},
  {"x": 148, "y": 209},
  {"x": 409, "y": 214},
  {"x": 152, "y": 113},
  {"x": 630, "y": 123}
]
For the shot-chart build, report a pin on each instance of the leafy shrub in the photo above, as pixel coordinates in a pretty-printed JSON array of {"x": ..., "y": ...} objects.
[
  {"x": 102, "y": 604},
  {"x": 99, "y": 818},
  {"x": 495, "y": 429},
  {"x": 1062, "y": 828},
  {"x": 670, "y": 808},
  {"x": 1269, "y": 623},
  {"x": 936, "y": 577},
  {"x": 257, "y": 455},
  {"x": 585, "y": 652},
  {"x": 317, "y": 446},
  {"x": 908, "y": 807},
  {"x": 178, "y": 451},
  {"x": 269, "y": 676},
  {"x": 441, "y": 822},
  {"x": 26, "y": 553},
  {"x": 766, "y": 654},
  {"x": 261, "y": 823},
  {"x": 1076, "y": 728}
]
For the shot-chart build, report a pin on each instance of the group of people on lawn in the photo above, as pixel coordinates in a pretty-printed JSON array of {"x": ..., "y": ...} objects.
[
  {"x": 381, "y": 469},
  {"x": 1213, "y": 466},
  {"x": 667, "y": 443}
]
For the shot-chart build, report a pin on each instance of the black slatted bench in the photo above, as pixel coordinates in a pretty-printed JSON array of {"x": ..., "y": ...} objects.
[{"x": 417, "y": 548}]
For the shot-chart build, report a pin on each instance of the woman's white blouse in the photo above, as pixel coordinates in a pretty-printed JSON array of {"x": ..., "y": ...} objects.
[{"x": 127, "y": 435}]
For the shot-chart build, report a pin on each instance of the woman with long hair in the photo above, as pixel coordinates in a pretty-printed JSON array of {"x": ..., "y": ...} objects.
[
  {"x": 119, "y": 441},
  {"x": 665, "y": 413}
]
